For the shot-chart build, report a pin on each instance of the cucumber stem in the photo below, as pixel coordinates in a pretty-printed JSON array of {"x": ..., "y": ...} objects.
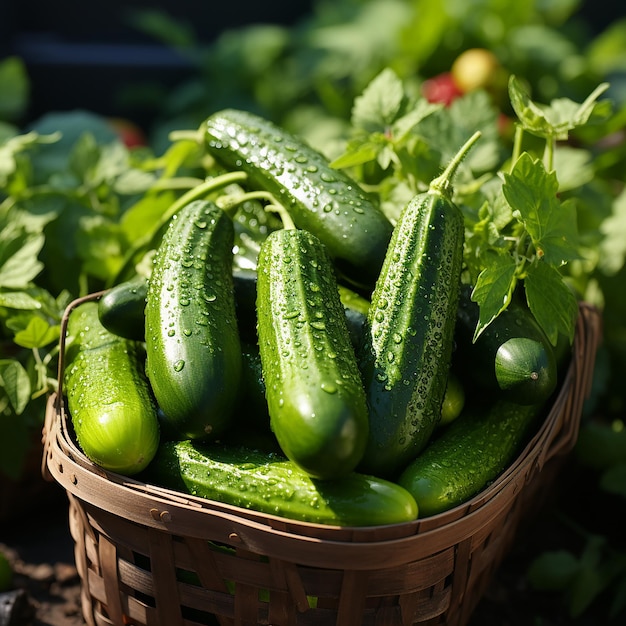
[
  {"x": 443, "y": 184},
  {"x": 285, "y": 218}
]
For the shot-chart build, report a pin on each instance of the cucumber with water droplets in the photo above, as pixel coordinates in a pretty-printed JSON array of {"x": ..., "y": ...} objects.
[
  {"x": 269, "y": 483},
  {"x": 314, "y": 393},
  {"x": 512, "y": 357},
  {"x": 192, "y": 338},
  {"x": 108, "y": 396},
  {"x": 468, "y": 454},
  {"x": 407, "y": 353},
  {"x": 320, "y": 199},
  {"x": 122, "y": 308}
]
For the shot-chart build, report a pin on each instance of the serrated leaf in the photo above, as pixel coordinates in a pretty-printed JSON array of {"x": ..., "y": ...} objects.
[
  {"x": 380, "y": 103},
  {"x": 531, "y": 192},
  {"x": 557, "y": 119},
  {"x": 493, "y": 289},
  {"x": 16, "y": 384},
  {"x": 37, "y": 334},
  {"x": 551, "y": 301}
]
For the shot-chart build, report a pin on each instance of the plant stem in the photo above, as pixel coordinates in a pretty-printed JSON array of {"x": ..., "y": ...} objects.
[
  {"x": 197, "y": 192},
  {"x": 443, "y": 184}
]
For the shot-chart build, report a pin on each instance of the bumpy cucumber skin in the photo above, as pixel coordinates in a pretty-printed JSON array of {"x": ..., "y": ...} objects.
[
  {"x": 269, "y": 483},
  {"x": 407, "y": 351},
  {"x": 511, "y": 357},
  {"x": 122, "y": 308},
  {"x": 471, "y": 452},
  {"x": 320, "y": 199},
  {"x": 314, "y": 392},
  {"x": 192, "y": 339},
  {"x": 108, "y": 395}
]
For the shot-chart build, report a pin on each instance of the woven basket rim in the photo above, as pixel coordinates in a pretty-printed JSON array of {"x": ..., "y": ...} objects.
[{"x": 149, "y": 502}]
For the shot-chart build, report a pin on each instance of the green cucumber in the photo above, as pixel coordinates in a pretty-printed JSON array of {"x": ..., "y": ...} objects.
[
  {"x": 453, "y": 400},
  {"x": 108, "y": 396},
  {"x": 320, "y": 199},
  {"x": 468, "y": 454},
  {"x": 192, "y": 338},
  {"x": 356, "y": 307},
  {"x": 122, "y": 308},
  {"x": 407, "y": 352},
  {"x": 269, "y": 483},
  {"x": 314, "y": 392},
  {"x": 512, "y": 356}
]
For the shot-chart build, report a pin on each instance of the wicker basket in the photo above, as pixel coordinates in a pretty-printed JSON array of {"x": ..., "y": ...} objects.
[{"x": 152, "y": 556}]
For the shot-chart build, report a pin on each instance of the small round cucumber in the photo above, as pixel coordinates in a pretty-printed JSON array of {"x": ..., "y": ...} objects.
[
  {"x": 525, "y": 370},
  {"x": 511, "y": 357}
]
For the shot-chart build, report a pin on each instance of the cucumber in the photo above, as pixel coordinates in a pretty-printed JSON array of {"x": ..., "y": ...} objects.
[
  {"x": 252, "y": 403},
  {"x": 406, "y": 355},
  {"x": 512, "y": 357},
  {"x": 269, "y": 483},
  {"x": 468, "y": 454},
  {"x": 122, "y": 308},
  {"x": 356, "y": 308},
  {"x": 453, "y": 400},
  {"x": 192, "y": 339},
  {"x": 315, "y": 397},
  {"x": 320, "y": 199},
  {"x": 108, "y": 396}
]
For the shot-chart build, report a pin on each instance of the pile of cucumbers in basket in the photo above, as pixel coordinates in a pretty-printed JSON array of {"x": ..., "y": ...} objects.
[{"x": 337, "y": 381}]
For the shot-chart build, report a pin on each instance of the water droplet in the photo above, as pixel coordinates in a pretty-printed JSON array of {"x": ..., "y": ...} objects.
[{"x": 178, "y": 366}]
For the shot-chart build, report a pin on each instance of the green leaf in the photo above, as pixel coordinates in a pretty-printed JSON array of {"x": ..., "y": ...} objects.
[
  {"x": 553, "y": 570},
  {"x": 16, "y": 384},
  {"x": 18, "y": 300},
  {"x": 15, "y": 441},
  {"x": 23, "y": 265},
  {"x": 380, "y": 103},
  {"x": 359, "y": 151},
  {"x": 37, "y": 334},
  {"x": 613, "y": 480},
  {"x": 402, "y": 126},
  {"x": 573, "y": 167},
  {"x": 532, "y": 194},
  {"x": 493, "y": 289},
  {"x": 612, "y": 249},
  {"x": 101, "y": 246},
  {"x": 589, "y": 581},
  {"x": 14, "y": 88},
  {"x": 556, "y": 120},
  {"x": 551, "y": 301}
]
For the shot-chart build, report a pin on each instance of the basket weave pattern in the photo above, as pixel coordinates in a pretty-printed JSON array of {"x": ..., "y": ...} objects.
[{"x": 152, "y": 556}]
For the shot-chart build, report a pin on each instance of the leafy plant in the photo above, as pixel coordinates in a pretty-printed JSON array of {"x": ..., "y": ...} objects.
[{"x": 519, "y": 231}]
